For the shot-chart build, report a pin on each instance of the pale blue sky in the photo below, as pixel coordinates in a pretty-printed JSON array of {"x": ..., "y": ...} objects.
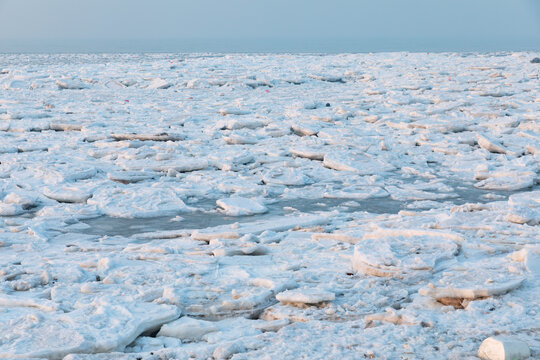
[{"x": 272, "y": 25}]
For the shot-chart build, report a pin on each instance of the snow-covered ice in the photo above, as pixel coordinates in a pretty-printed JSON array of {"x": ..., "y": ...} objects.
[{"x": 174, "y": 206}]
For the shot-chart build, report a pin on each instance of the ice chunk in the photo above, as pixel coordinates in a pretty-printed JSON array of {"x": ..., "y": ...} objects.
[
  {"x": 235, "y": 124},
  {"x": 17, "y": 84},
  {"x": 57, "y": 126},
  {"x": 126, "y": 177},
  {"x": 67, "y": 194},
  {"x": 524, "y": 208},
  {"x": 71, "y": 84},
  {"x": 274, "y": 325},
  {"x": 101, "y": 326},
  {"x": 473, "y": 280},
  {"x": 503, "y": 348},
  {"x": 16, "y": 203},
  {"x": 148, "y": 137},
  {"x": 239, "y": 206},
  {"x": 227, "y": 350},
  {"x": 159, "y": 84},
  {"x": 360, "y": 164},
  {"x": 357, "y": 193},
  {"x": 285, "y": 176},
  {"x": 444, "y": 294},
  {"x": 307, "y": 153},
  {"x": 403, "y": 253},
  {"x": 511, "y": 180},
  {"x": 243, "y": 249},
  {"x": 530, "y": 256},
  {"x": 232, "y": 111},
  {"x": 237, "y": 139},
  {"x": 7, "y": 209},
  {"x": 137, "y": 201},
  {"x": 305, "y": 296},
  {"x": 532, "y": 262},
  {"x": 490, "y": 144},
  {"x": 327, "y": 78},
  {"x": 178, "y": 165},
  {"x": 305, "y": 129},
  {"x": 187, "y": 329},
  {"x": 14, "y": 301}
]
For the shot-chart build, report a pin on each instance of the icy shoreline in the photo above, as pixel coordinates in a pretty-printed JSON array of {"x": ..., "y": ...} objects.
[{"x": 381, "y": 205}]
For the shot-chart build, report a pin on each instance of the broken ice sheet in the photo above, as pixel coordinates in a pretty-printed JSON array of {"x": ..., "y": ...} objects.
[{"x": 365, "y": 176}]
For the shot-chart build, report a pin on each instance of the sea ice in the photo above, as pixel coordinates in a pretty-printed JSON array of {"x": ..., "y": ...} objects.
[{"x": 380, "y": 205}]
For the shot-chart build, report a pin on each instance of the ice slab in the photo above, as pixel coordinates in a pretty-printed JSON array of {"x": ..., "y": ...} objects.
[
  {"x": 475, "y": 279},
  {"x": 71, "y": 84},
  {"x": 404, "y": 253},
  {"x": 138, "y": 201},
  {"x": 241, "y": 206},
  {"x": 187, "y": 329},
  {"x": 305, "y": 296},
  {"x": 360, "y": 164},
  {"x": 98, "y": 327}
]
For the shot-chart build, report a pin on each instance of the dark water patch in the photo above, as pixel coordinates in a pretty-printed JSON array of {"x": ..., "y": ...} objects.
[
  {"x": 106, "y": 225},
  {"x": 111, "y": 226}
]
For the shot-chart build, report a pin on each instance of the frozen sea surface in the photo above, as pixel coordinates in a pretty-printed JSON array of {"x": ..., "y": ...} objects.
[{"x": 175, "y": 206}]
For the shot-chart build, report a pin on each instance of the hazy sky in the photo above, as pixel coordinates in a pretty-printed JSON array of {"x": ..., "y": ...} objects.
[{"x": 271, "y": 25}]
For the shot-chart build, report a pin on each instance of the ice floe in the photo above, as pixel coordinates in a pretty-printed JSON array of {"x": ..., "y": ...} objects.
[
  {"x": 241, "y": 206},
  {"x": 390, "y": 253}
]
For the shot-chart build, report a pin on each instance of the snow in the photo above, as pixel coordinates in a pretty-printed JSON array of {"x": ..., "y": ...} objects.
[{"x": 268, "y": 206}]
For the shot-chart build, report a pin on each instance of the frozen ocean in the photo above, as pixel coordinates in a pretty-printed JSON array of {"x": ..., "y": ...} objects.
[{"x": 268, "y": 206}]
